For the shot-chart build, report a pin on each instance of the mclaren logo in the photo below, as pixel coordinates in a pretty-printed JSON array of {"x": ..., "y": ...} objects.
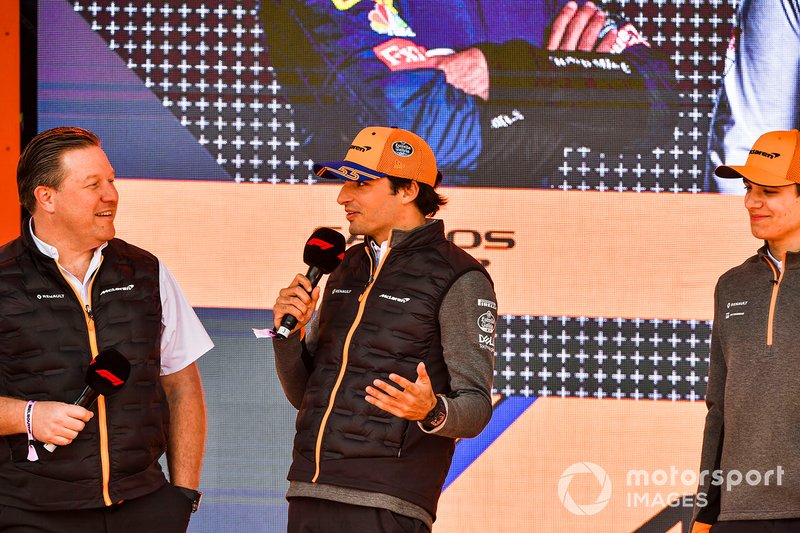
[
  {"x": 768, "y": 155},
  {"x": 360, "y": 148},
  {"x": 394, "y": 298},
  {"x": 115, "y": 289}
]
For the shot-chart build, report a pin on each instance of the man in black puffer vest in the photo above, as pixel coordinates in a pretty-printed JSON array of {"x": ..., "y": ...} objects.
[
  {"x": 69, "y": 291},
  {"x": 398, "y": 362}
]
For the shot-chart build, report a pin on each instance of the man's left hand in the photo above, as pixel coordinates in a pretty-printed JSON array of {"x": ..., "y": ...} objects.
[{"x": 412, "y": 401}]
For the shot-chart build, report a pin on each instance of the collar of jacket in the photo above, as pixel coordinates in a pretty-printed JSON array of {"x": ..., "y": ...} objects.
[
  {"x": 27, "y": 239},
  {"x": 791, "y": 262},
  {"x": 422, "y": 235}
]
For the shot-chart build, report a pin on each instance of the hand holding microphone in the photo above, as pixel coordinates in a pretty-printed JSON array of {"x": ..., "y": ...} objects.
[
  {"x": 323, "y": 252},
  {"x": 106, "y": 375}
]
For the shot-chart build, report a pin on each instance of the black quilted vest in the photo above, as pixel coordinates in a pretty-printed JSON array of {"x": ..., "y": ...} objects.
[
  {"x": 368, "y": 331},
  {"x": 44, "y": 353}
]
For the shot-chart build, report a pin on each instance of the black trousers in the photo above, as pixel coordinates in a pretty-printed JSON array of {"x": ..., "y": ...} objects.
[
  {"x": 787, "y": 525},
  {"x": 166, "y": 510},
  {"x": 314, "y": 515}
]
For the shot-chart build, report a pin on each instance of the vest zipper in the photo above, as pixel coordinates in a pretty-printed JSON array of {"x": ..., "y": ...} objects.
[
  {"x": 345, "y": 349},
  {"x": 372, "y": 274},
  {"x": 101, "y": 401}
]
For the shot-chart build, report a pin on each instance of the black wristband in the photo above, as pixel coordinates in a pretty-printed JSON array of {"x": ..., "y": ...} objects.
[
  {"x": 437, "y": 415},
  {"x": 194, "y": 495}
]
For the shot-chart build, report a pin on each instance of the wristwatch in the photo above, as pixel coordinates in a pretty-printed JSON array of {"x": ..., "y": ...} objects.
[
  {"x": 437, "y": 415},
  {"x": 194, "y": 495}
]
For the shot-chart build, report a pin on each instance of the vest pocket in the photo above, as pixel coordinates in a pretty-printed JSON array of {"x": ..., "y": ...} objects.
[{"x": 362, "y": 435}]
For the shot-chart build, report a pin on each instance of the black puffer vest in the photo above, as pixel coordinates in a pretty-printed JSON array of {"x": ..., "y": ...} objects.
[
  {"x": 45, "y": 349},
  {"x": 373, "y": 323}
]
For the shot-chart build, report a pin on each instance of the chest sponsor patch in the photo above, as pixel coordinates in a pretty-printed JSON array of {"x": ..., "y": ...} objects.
[
  {"x": 49, "y": 296},
  {"x": 402, "y": 54},
  {"x": 394, "y": 298},
  {"x": 385, "y": 20},
  {"x": 341, "y": 291},
  {"x": 486, "y": 322},
  {"x": 736, "y": 304},
  {"x": 117, "y": 289}
]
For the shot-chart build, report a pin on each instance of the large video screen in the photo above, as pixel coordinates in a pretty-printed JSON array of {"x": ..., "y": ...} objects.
[{"x": 577, "y": 167}]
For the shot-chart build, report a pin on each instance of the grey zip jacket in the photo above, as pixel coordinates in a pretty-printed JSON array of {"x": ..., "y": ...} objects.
[{"x": 750, "y": 463}]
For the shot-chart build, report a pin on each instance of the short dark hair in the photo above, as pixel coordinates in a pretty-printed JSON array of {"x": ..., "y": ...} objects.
[
  {"x": 40, "y": 162},
  {"x": 428, "y": 201}
]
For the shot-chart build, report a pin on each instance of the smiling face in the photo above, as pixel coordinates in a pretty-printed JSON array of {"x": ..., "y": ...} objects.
[
  {"x": 82, "y": 209},
  {"x": 774, "y": 216},
  {"x": 373, "y": 209}
]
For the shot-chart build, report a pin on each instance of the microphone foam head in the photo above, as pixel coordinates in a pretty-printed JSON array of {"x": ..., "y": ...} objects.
[
  {"x": 324, "y": 249},
  {"x": 108, "y": 372}
]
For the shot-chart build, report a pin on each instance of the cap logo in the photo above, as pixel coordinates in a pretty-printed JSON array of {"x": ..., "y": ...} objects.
[
  {"x": 360, "y": 148},
  {"x": 402, "y": 148},
  {"x": 768, "y": 155}
]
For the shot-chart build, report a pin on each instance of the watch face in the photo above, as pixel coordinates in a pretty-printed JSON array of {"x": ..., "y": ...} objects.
[
  {"x": 438, "y": 418},
  {"x": 437, "y": 414}
]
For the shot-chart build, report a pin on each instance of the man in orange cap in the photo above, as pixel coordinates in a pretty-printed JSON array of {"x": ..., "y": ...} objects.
[
  {"x": 397, "y": 364},
  {"x": 750, "y": 465}
]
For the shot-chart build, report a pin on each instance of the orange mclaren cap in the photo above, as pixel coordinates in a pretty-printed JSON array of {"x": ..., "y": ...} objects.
[
  {"x": 379, "y": 152},
  {"x": 774, "y": 161}
]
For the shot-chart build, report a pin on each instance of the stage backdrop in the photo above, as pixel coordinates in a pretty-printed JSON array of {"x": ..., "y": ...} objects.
[{"x": 578, "y": 179}]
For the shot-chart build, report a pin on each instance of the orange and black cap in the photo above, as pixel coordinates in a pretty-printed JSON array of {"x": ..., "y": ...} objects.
[
  {"x": 379, "y": 152},
  {"x": 774, "y": 161}
]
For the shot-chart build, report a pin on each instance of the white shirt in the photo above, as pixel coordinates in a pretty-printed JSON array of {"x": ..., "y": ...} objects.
[
  {"x": 380, "y": 250},
  {"x": 183, "y": 337},
  {"x": 778, "y": 264}
]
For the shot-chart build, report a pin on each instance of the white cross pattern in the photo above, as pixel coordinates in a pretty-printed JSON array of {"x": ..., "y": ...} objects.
[
  {"x": 183, "y": 51},
  {"x": 651, "y": 359}
]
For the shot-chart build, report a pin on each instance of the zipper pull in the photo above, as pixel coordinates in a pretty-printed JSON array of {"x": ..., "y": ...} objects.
[{"x": 89, "y": 312}]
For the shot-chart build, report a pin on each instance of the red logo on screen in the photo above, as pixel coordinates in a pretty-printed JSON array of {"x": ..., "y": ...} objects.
[
  {"x": 111, "y": 378},
  {"x": 319, "y": 243},
  {"x": 402, "y": 54}
]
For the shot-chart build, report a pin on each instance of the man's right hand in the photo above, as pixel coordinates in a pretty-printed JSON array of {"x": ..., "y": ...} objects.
[
  {"x": 58, "y": 423},
  {"x": 577, "y": 28},
  {"x": 298, "y": 300}
]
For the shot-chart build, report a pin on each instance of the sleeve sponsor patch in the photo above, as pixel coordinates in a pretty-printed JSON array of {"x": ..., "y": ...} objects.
[
  {"x": 402, "y": 54},
  {"x": 486, "y": 322}
]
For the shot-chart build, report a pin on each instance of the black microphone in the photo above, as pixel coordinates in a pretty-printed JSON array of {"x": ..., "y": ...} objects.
[
  {"x": 323, "y": 252},
  {"x": 106, "y": 375}
]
